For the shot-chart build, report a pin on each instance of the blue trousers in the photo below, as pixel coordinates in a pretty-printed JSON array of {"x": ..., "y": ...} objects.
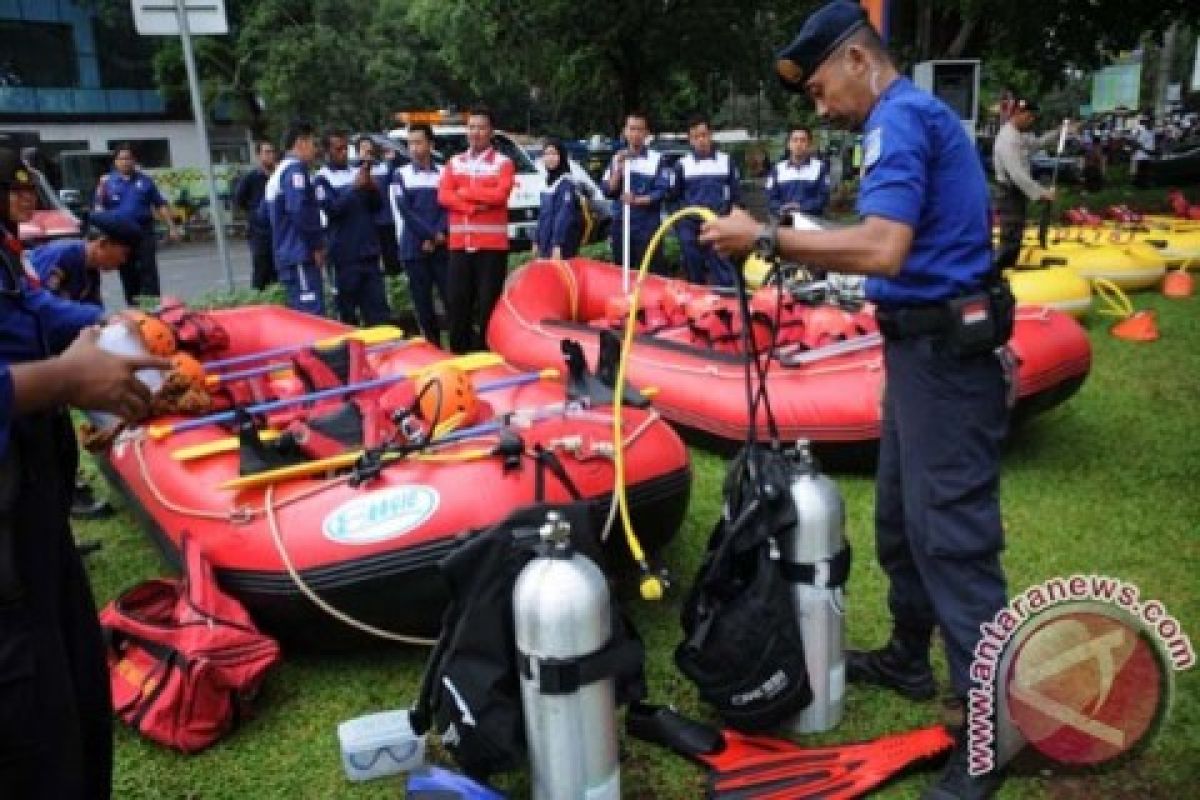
[
  {"x": 304, "y": 287},
  {"x": 701, "y": 263},
  {"x": 361, "y": 296},
  {"x": 424, "y": 274},
  {"x": 639, "y": 240},
  {"x": 937, "y": 510}
]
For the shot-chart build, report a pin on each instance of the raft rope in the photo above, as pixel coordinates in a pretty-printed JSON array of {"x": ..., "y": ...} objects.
[
  {"x": 575, "y": 446},
  {"x": 1117, "y": 303}
]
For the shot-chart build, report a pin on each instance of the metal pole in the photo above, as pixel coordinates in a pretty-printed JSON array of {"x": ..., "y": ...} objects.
[{"x": 214, "y": 202}]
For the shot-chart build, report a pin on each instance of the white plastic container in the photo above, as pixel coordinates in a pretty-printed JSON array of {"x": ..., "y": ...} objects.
[
  {"x": 380, "y": 744},
  {"x": 118, "y": 339}
]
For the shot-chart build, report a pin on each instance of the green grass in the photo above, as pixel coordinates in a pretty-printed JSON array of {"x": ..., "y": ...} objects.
[{"x": 1104, "y": 484}]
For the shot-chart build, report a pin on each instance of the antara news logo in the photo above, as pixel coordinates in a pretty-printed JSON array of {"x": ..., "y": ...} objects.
[{"x": 1079, "y": 668}]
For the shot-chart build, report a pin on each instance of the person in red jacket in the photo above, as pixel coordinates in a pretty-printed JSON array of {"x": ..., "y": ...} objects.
[{"x": 474, "y": 191}]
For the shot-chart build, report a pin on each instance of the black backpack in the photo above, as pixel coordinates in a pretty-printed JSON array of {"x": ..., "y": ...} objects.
[
  {"x": 471, "y": 693},
  {"x": 742, "y": 645}
]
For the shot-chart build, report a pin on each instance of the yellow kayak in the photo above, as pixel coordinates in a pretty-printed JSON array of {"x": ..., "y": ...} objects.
[
  {"x": 1130, "y": 265},
  {"x": 1059, "y": 288}
]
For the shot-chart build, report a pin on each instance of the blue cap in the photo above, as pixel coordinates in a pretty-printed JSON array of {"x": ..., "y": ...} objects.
[
  {"x": 113, "y": 226},
  {"x": 822, "y": 33}
]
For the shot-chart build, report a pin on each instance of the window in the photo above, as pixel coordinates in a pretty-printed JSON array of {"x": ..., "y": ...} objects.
[
  {"x": 126, "y": 59},
  {"x": 150, "y": 153},
  {"x": 37, "y": 55}
]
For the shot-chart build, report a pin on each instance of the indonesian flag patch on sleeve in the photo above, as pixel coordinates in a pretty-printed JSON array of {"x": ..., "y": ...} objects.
[{"x": 975, "y": 312}]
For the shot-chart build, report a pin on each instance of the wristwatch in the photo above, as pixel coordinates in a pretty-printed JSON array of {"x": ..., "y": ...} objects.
[{"x": 766, "y": 244}]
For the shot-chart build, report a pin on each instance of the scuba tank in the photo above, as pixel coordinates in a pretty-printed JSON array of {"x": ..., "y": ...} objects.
[
  {"x": 562, "y": 613},
  {"x": 816, "y": 561}
]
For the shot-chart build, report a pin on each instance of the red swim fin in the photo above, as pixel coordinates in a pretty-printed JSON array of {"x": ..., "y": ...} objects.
[
  {"x": 704, "y": 744},
  {"x": 837, "y": 772}
]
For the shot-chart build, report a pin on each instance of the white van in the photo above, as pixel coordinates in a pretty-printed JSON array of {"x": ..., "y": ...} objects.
[{"x": 450, "y": 140}]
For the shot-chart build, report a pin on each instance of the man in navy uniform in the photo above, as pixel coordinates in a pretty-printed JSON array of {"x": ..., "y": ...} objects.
[
  {"x": 925, "y": 244},
  {"x": 708, "y": 178},
  {"x": 642, "y": 199},
  {"x": 55, "y": 708},
  {"x": 421, "y": 228},
  {"x": 296, "y": 234},
  {"x": 800, "y": 182},
  {"x": 133, "y": 195},
  {"x": 350, "y": 199},
  {"x": 249, "y": 198}
]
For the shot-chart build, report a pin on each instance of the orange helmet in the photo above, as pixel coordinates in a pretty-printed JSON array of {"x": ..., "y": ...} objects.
[
  {"x": 156, "y": 335},
  {"x": 446, "y": 391},
  {"x": 187, "y": 366}
]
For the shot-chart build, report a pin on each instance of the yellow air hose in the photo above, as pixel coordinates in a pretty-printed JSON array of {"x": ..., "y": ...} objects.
[{"x": 652, "y": 586}]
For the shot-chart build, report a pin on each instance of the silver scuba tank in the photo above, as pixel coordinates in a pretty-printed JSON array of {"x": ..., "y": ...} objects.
[
  {"x": 815, "y": 545},
  {"x": 561, "y": 612}
]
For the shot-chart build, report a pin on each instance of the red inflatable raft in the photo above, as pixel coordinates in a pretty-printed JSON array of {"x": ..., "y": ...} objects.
[
  {"x": 371, "y": 550},
  {"x": 825, "y": 384}
]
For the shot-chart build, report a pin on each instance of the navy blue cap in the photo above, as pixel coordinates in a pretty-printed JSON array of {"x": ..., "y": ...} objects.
[
  {"x": 822, "y": 33},
  {"x": 113, "y": 226}
]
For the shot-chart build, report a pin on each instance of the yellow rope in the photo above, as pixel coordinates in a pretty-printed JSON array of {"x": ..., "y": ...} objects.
[{"x": 1116, "y": 301}]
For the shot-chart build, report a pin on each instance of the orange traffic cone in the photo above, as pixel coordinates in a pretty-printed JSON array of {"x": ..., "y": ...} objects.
[
  {"x": 1178, "y": 284},
  {"x": 1140, "y": 326}
]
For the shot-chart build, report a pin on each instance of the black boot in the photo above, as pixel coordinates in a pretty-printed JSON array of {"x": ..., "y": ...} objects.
[
  {"x": 86, "y": 505},
  {"x": 956, "y": 781},
  {"x": 902, "y": 664}
]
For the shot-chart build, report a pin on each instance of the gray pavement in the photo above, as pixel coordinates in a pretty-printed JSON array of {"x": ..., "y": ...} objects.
[{"x": 189, "y": 270}]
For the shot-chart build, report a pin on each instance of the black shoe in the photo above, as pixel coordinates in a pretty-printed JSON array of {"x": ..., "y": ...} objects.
[
  {"x": 957, "y": 783},
  {"x": 902, "y": 664},
  {"x": 85, "y": 504}
]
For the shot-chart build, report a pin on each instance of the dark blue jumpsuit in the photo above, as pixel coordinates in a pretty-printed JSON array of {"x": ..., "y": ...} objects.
[
  {"x": 560, "y": 219},
  {"x": 712, "y": 182},
  {"x": 353, "y": 245},
  {"x": 647, "y": 178},
  {"x": 55, "y": 709},
  {"x": 798, "y": 186},
  {"x": 419, "y": 220},
  {"x": 937, "y": 515},
  {"x": 296, "y": 235}
]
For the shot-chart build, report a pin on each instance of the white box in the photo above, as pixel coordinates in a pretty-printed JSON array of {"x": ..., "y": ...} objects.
[{"x": 380, "y": 744}]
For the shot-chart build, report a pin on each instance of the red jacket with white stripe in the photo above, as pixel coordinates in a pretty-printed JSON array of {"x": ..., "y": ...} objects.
[{"x": 474, "y": 191}]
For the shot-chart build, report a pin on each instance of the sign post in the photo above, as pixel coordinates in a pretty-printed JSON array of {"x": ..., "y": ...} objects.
[{"x": 177, "y": 17}]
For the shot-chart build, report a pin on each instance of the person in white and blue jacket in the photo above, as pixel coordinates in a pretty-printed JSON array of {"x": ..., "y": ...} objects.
[
  {"x": 800, "y": 182},
  {"x": 296, "y": 234},
  {"x": 421, "y": 228},
  {"x": 350, "y": 198},
  {"x": 708, "y": 178},
  {"x": 560, "y": 216}
]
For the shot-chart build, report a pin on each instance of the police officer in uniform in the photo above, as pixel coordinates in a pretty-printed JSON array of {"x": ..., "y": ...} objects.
[
  {"x": 132, "y": 194},
  {"x": 350, "y": 199},
  {"x": 297, "y": 238},
  {"x": 55, "y": 709},
  {"x": 925, "y": 245}
]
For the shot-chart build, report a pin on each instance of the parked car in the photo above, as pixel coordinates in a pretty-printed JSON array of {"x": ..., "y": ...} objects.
[{"x": 51, "y": 220}]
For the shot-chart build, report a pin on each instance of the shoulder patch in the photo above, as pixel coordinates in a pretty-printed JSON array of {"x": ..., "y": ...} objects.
[
  {"x": 297, "y": 180},
  {"x": 872, "y": 147}
]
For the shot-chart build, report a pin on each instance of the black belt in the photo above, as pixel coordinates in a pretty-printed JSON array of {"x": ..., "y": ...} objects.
[{"x": 905, "y": 323}]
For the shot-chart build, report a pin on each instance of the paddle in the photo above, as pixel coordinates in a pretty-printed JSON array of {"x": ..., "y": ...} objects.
[
  {"x": 230, "y": 444},
  {"x": 475, "y": 360},
  {"x": 348, "y": 459},
  {"x": 368, "y": 336},
  {"x": 213, "y": 381}
]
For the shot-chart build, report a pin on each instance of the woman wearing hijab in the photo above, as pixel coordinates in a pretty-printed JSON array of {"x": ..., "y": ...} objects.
[{"x": 560, "y": 218}]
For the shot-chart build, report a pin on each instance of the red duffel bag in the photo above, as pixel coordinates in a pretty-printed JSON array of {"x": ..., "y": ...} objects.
[{"x": 184, "y": 658}]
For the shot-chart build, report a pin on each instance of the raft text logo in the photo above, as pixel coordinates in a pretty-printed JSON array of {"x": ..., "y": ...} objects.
[
  {"x": 381, "y": 515},
  {"x": 1080, "y": 668}
]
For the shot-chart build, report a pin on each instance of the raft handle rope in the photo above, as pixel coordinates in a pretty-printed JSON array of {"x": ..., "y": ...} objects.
[{"x": 1117, "y": 303}]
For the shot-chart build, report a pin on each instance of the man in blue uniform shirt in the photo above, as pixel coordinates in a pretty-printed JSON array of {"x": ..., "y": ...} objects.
[
  {"x": 249, "y": 198},
  {"x": 55, "y": 708},
  {"x": 800, "y": 182},
  {"x": 132, "y": 194},
  {"x": 925, "y": 245},
  {"x": 420, "y": 226},
  {"x": 350, "y": 199},
  {"x": 296, "y": 234},
  {"x": 642, "y": 199},
  {"x": 71, "y": 268},
  {"x": 708, "y": 178}
]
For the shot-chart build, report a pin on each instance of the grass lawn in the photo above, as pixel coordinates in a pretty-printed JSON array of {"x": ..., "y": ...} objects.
[{"x": 1102, "y": 484}]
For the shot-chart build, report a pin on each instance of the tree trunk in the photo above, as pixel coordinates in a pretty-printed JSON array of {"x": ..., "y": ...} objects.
[
  {"x": 1165, "y": 57},
  {"x": 961, "y": 39}
]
